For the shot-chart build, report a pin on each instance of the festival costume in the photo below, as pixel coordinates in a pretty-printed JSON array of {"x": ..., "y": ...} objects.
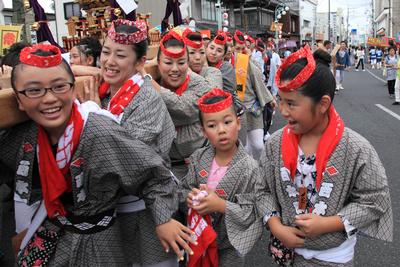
[
  {"x": 182, "y": 106},
  {"x": 146, "y": 118},
  {"x": 345, "y": 177},
  {"x": 213, "y": 76},
  {"x": 240, "y": 227}
]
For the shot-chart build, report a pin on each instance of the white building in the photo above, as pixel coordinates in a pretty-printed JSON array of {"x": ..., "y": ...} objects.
[
  {"x": 337, "y": 28},
  {"x": 308, "y": 18}
]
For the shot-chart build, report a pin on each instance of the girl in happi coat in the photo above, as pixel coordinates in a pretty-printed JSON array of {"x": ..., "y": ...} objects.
[
  {"x": 254, "y": 95},
  {"x": 221, "y": 187},
  {"x": 86, "y": 52},
  {"x": 71, "y": 165},
  {"x": 327, "y": 180},
  {"x": 137, "y": 106},
  {"x": 198, "y": 59},
  {"x": 215, "y": 52},
  {"x": 180, "y": 91}
]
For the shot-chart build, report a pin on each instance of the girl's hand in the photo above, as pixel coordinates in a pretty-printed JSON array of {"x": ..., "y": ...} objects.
[
  {"x": 189, "y": 198},
  {"x": 290, "y": 237},
  {"x": 313, "y": 225},
  {"x": 174, "y": 234},
  {"x": 211, "y": 203},
  {"x": 91, "y": 90}
]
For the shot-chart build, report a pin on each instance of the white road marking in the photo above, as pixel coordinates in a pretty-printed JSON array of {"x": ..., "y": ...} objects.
[
  {"x": 397, "y": 116},
  {"x": 377, "y": 77}
]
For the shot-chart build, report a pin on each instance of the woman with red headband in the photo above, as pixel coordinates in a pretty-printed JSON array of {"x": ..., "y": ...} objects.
[
  {"x": 198, "y": 59},
  {"x": 220, "y": 185},
  {"x": 253, "y": 94},
  {"x": 71, "y": 165},
  {"x": 180, "y": 90},
  {"x": 327, "y": 181},
  {"x": 134, "y": 102},
  {"x": 215, "y": 51}
]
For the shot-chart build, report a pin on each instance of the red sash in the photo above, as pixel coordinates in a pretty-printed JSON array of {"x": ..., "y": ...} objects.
[
  {"x": 327, "y": 144},
  {"x": 54, "y": 172},
  {"x": 181, "y": 89}
]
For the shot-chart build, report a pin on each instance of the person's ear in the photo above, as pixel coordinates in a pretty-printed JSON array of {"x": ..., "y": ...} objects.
[
  {"x": 325, "y": 103},
  {"x": 20, "y": 106},
  {"x": 90, "y": 60}
]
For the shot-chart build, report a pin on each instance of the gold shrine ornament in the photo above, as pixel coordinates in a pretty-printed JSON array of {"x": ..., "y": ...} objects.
[
  {"x": 35, "y": 26},
  {"x": 26, "y": 4},
  {"x": 117, "y": 12}
]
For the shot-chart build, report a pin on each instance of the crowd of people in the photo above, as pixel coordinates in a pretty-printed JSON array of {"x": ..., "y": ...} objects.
[{"x": 180, "y": 169}]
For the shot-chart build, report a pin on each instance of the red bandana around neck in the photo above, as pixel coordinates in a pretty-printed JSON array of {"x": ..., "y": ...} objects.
[
  {"x": 219, "y": 64},
  {"x": 54, "y": 171},
  {"x": 181, "y": 89},
  {"x": 124, "y": 95},
  {"x": 327, "y": 144}
]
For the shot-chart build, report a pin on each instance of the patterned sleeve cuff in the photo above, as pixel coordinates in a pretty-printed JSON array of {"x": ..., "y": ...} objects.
[
  {"x": 269, "y": 215},
  {"x": 348, "y": 227}
]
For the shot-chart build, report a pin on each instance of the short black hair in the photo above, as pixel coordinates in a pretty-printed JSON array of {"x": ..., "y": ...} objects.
[
  {"x": 194, "y": 36},
  {"x": 322, "y": 82},
  {"x": 141, "y": 47},
  {"x": 240, "y": 37},
  {"x": 327, "y": 42},
  {"x": 90, "y": 46},
  {"x": 213, "y": 100},
  {"x": 42, "y": 53}
]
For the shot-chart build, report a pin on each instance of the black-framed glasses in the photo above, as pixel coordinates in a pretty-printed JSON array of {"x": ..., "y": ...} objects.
[{"x": 39, "y": 92}]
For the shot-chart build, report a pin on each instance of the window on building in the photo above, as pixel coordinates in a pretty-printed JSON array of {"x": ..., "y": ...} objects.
[
  {"x": 306, "y": 23},
  {"x": 7, "y": 20},
  {"x": 208, "y": 10},
  {"x": 71, "y": 9}
]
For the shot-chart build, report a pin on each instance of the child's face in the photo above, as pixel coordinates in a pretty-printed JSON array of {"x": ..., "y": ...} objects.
[
  {"x": 301, "y": 113},
  {"x": 221, "y": 128},
  {"x": 51, "y": 111}
]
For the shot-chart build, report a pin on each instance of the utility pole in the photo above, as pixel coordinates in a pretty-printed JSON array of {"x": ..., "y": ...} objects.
[
  {"x": 329, "y": 20},
  {"x": 390, "y": 19},
  {"x": 347, "y": 24}
]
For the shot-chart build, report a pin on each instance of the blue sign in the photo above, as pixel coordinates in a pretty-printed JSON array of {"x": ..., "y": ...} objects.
[{"x": 354, "y": 31}]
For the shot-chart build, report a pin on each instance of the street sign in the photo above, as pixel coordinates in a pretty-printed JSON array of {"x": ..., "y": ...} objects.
[{"x": 276, "y": 26}]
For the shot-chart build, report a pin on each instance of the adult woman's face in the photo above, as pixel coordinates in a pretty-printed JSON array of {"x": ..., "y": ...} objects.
[
  {"x": 173, "y": 70},
  {"x": 215, "y": 52},
  {"x": 118, "y": 63},
  {"x": 197, "y": 58}
]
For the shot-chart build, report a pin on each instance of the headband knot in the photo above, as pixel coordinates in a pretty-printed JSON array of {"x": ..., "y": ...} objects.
[
  {"x": 128, "y": 38},
  {"x": 216, "y": 107},
  {"x": 28, "y": 57},
  {"x": 304, "y": 74}
]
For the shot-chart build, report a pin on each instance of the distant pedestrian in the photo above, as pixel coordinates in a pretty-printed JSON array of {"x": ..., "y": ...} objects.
[
  {"x": 397, "y": 84},
  {"x": 372, "y": 57},
  {"x": 342, "y": 62},
  {"x": 360, "y": 54},
  {"x": 379, "y": 55},
  {"x": 328, "y": 45},
  {"x": 391, "y": 70}
]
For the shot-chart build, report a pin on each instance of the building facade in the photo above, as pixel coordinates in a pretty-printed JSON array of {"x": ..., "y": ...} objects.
[{"x": 386, "y": 19}]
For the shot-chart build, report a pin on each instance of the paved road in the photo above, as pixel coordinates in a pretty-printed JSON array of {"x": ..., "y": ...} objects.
[{"x": 357, "y": 105}]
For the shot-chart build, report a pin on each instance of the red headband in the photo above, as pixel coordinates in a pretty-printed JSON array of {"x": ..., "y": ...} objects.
[
  {"x": 27, "y": 57},
  {"x": 223, "y": 35},
  {"x": 304, "y": 74},
  {"x": 128, "y": 38},
  {"x": 236, "y": 36},
  {"x": 172, "y": 35},
  {"x": 258, "y": 42},
  {"x": 194, "y": 44},
  {"x": 216, "y": 107},
  {"x": 249, "y": 38}
]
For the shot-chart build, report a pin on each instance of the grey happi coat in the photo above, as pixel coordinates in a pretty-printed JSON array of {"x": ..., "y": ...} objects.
[
  {"x": 213, "y": 76},
  {"x": 147, "y": 119},
  {"x": 107, "y": 161},
  {"x": 360, "y": 191},
  {"x": 185, "y": 115},
  {"x": 240, "y": 227}
]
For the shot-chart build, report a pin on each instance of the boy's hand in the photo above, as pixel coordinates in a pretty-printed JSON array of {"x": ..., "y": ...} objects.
[
  {"x": 211, "y": 203},
  {"x": 290, "y": 237},
  {"x": 313, "y": 225}
]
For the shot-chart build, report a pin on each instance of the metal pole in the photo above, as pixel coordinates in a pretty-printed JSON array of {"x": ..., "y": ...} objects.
[
  {"x": 390, "y": 19},
  {"x": 329, "y": 20},
  {"x": 218, "y": 10}
]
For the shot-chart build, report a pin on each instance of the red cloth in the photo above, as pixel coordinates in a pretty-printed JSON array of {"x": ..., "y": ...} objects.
[
  {"x": 181, "y": 89},
  {"x": 122, "y": 98},
  {"x": 219, "y": 64},
  {"x": 54, "y": 175},
  {"x": 327, "y": 144},
  {"x": 206, "y": 251}
]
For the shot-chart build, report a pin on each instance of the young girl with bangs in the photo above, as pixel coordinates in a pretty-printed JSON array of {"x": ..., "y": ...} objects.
[{"x": 327, "y": 181}]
